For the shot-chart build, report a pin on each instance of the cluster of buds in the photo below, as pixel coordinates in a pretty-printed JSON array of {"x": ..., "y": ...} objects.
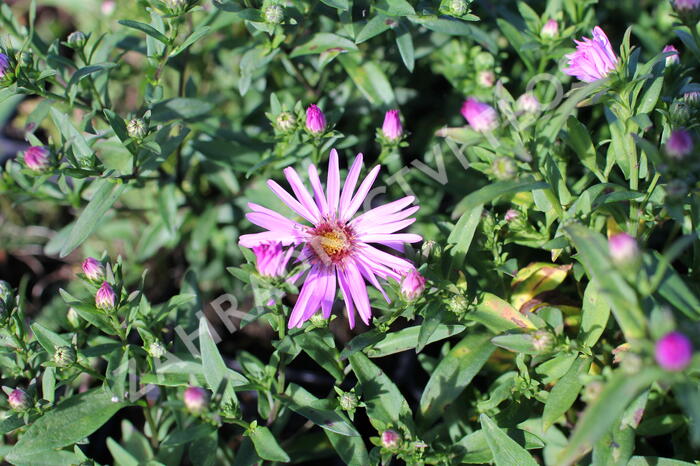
[
  {"x": 285, "y": 122},
  {"x": 156, "y": 350},
  {"x": 504, "y": 168},
  {"x": 456, "y": 8},
  {"x": 36, "y": 158}
]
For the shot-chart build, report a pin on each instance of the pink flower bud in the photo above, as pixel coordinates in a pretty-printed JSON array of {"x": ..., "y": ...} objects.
[
  {"x": 673, "y": 59},
  {"x": 18, "y": 400},
  {"x": 527, "y": 103},
  {"x": 195, "y": 398},
  {"x": 480, "y": 116},
  {"x": 271, "y": 259},
  {"x": 315, "y": 119},
  {"x": 93, "y": 269},
  {"x": 485, "y": 78},
  {"x": 36, "y": 158},
  {"x": 511, "y": 215},
  {"x": 593, "y": 59},
  {"x": 679, "y": 144},
  {"x": 4, "y": 64},
  {"x": 392, "y": 128},
  {"x": 412, "y": 285},
  {"x": 390, "y": 439},
  {"x": 674, "y": 351},
  {"x": 105, "y": 298},
  {"x": 623, "y": 248},
  {"x": 108, "y": 7},
  {"x": 550, "y": 29}
]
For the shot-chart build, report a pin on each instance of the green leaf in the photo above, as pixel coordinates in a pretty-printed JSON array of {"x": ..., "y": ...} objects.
[
  {"x": 180, "y": 108},
  {"x": 369, "y": 78},
  {"x": 87, "y": 71},
  {"x": 456, "y": 27},
  {"x": 601, "y": 415},
  {"x": 493, "y": 190},
  {"x": 325, "y": 355},
  {"x": 505, "y": 450},
  {"x": 656, "y": 461},
  {"x": 317, "y": 411},
  {"x": 48, "y": 339},
  {"x": 351, "y": 450},
  {"x": 474, "y": 448},
  {"x": 395, "y": 7},
  {"x": 375, "y": 26},
  {"x": 384, "y": 401},
  {"x": 266, "y": 445},
  {"x": 595, "y": 314},
  {"x": 404, "y": 42},
  {"x": 454, "y": 372},
  {"x": 215, "y": 369},
  {"x": 338, "y": 4},
  {"x": 671, "y": 286},
  {"x": 187, "y": 435},
  {"x": 462, "y": 234},
  {"x": 148, "y": 29},
  {"x": 82, "y": 151},
  {"x": 194, "y": 37},
  {"x": 106, "y": 193},
  {"x": 593, "y": 255},
  {"x": 407, "y": 339},
  {"x": 70, "y": 421},
  {"x": 498, "y": 315},
  {"x": 323, "y": 42},
  {"x": 579, "y": 140},
  {"x": 565, "y": 392}
]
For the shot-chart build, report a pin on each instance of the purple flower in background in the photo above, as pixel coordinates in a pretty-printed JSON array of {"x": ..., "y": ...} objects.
[
  {"x": 686, "y": 5},
  {"x": 36, "y": 158},
  {"x": 271, "y": 259},
  {"x": 4, "y": 64},
  {"x": 392, "y": 128},
  {"x": 550, "y": 29},
  {"x": 93, "y": 269},
  {"x": 593, "y": 59},
  {"x": 674, "y": 351},
  {"x": 679, "y": 144},
  {"x": 337, "y": 247},
  {"x": 623, "y": 248},
  {"x": 413, "y": 285},
  {"x": 18, "y": 399},
  {"x": 315, "y": 119},
  {"x": 195, "y": 398},
  {"x": 480, "y": 116},
  {"x": 105, "y": 297},
  {"x": 673, "y": 59}
]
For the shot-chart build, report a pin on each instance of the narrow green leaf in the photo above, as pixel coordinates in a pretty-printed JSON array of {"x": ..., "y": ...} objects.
[
  {"x": 351, "y": 450},
  {"x": 215, "y": 369},
  {"x": 407, "y": 339},
  {"x": 148, "y": 29},
  {"x": 48, "y": 339},
  {"x": 82, "y": 151},
  {"x": 317, "y": 411},
  {"x": 565, "y": 392},
  {"x": 194, "y": 37},
  {"x": 595, "y": 314},
  {"x": 505, "y": 450},
  {"x": 266, "y": 445}
]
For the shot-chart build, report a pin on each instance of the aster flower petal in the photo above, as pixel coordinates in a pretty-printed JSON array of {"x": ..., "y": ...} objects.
[
  {"x": 333, "y": 183},
  {"x": 361, "y": 194},
  {"x": 389, "y": 227},
  {"x": 292, "y": 203},
  {"x": 391, "y": 237},
  {"x": 329, "y": 297},
  {"x": 257, "y": 239},
  {"x": 358, "y": 290},
  {"x": 320, "y": 196},
  {"x": 349, "y": 186},
  {"x": 347, "y": 297},
  {"x": 370, "y": 277},
  {"x": 381, "y": 211},
  {"x": 308, "y": 297},
  {"x": 301, "y": 193}
]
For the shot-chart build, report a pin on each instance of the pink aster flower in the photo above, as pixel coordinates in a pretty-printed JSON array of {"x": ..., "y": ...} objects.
[
  {"x": 593, "y": 59},
  {"x": 480, "y": 116},
  {"x": 315, "y": 119},
  {"x": 338, "y": 246},
  {"x": 93, "y": 269},
  {"x": 271, "y": 259},
  {"x": 36, "y": 158},
  {"x": 392, "y": 128},
  {"x": 674, "y": 58},
  {"x": 674, "y": 351}
]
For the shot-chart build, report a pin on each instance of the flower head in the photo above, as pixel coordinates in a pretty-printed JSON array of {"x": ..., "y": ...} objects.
[
  {"x": 679, "y": 144},
  {"x": 412, "y": 285},
  {"x": 271, "y": 259},
  {"x": 674, "y": 58},
  {"x": 480, "y": 116},
  {"x": 686, "y": 6},
  {"x": 623, "y": 248},
  {"x": 273, "y": 14},
  {"x": 105, "y": 297},
  {"x": 18, "y": 399},
  {"x": 392, "y": 128},
  {"x": 36, "y": 158},
  {"x": 315, "y": 119},
  {"x": 286, "y": 121},
  {"x": 337, "y": 247},
  {"x": 136, "y": 128},
  {"x": 4, "y": 65},
  {"x": 674, "y": 351},
  {"x": 550, "y": 29},
  {"x": 593, "y": 59},
  {"x": 93, "y": 269},
  {"x": 64, "y": 356},
  {"x": 195, "y": 398}
]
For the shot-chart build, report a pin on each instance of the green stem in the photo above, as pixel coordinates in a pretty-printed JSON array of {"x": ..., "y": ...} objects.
[{"x": 152, "y": 426}]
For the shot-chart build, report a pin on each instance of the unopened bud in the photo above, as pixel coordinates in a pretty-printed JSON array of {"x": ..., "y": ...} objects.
[
  {"x": 76, "y": 39},
  {"x": 18, "y": 400},
  {"x": 6, "y": 292},
  {"x": 156, "y": 350},
  {"x": 286, "y": 121},
  {"x": 412, "y": 285},
  {"x": 458, "y": 7},
  {"x": 64, "y": 356},
  {"x": 176, "y": 6},
  {"x": 93, "y": 269},
  {"x": 390, "y": 439},
  {"x": 674, "y": 351},
  {"x": 457, "y": 304},
  {"x": 315, "y": 119},
  {"x": 195, "y": 399},
  {"x": 550, "y": 29},
  {"x": 392, "y": 128},
  {"x": 673, "y": 58},
  {"x": 73, "y": 317},
  {"x": 348, "y": 401},
  {"x": 105, "y": 297},
  {"x": 527, "y": 103},
  {"x": 679, "y": 144},
  {"x": 680, "y": 112},
  {"x": 692, "y": 98},
  {"x": 623, "y": 249},
  {"x": 486, "y": 78},
  {"x": 136, "y": 128},
  {"x": 36, "y": 158},
  {"x": 504, "y": 168},
  {"x": 273, "y": 14}
]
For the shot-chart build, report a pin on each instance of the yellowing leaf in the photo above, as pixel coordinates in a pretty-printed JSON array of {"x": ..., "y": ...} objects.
[{"x": 536, "y": 278}]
